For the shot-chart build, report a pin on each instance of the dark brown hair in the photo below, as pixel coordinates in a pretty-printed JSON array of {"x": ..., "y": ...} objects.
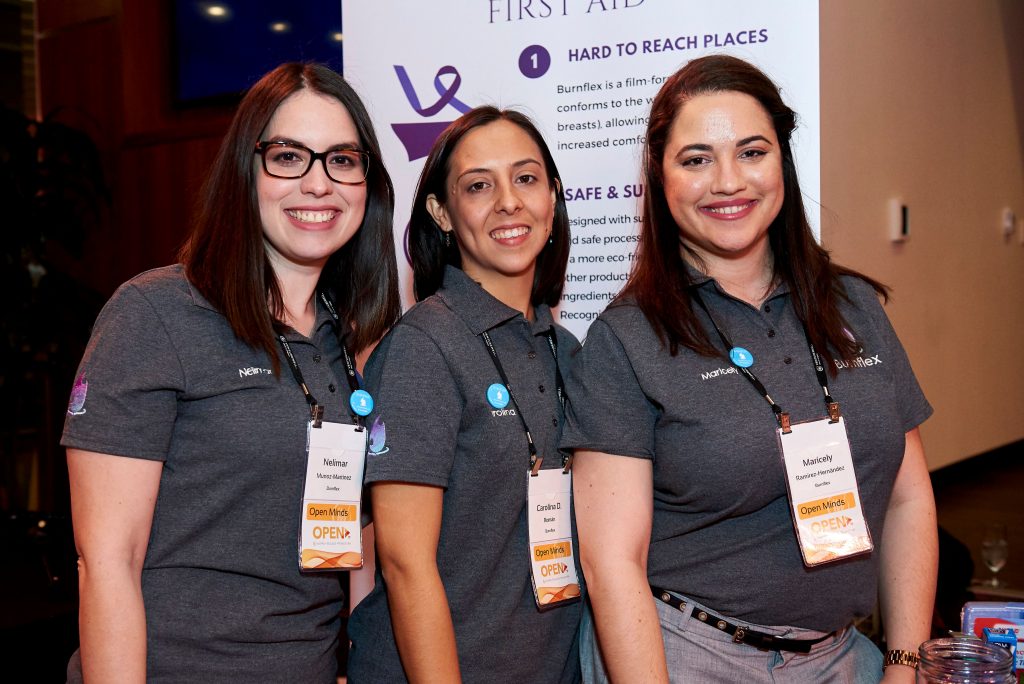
[
  {"x": 427, "y": 249},
  {"x": 659, "y": 282},
  {"x": 225, "y": 258}
]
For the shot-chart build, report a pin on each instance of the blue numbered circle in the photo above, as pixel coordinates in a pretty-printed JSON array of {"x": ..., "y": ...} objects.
[
  {"x": 534, "y": 61},
  {"x": 497, "y": 396},
  {"x": 741, "y": 357},
  {"x": 361, "y": 402}
]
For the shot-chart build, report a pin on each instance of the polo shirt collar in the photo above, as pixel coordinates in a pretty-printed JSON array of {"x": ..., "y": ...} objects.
[
  {"x": 699, "y": 279},
  {"x": 323, "y": 316},
  {"x": 479, "y": 309},
  {"x": 197, "y": 297}
]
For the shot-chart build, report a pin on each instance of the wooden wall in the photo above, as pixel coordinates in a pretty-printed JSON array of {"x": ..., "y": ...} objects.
[
  {"x": 924, "y": 100},
  {"x": 105, "y": 65}
]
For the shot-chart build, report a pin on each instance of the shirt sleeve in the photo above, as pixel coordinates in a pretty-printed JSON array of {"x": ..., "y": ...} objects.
[
  {"x": 913, "y": 407},
  {"x": 417, "y": 410},
  {"x": 607, "y": 409},
  {"x": 124, "y": 401}
]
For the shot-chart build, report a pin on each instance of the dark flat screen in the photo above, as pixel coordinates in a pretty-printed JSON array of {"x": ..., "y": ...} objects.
[{"x": 222, "y": 47}]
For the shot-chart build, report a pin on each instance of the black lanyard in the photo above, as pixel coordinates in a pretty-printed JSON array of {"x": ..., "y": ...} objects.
[
  {"x": 316, "y": 411},
  {"x": 535, "y": 460},
  {"x": 781, "y": 416}
]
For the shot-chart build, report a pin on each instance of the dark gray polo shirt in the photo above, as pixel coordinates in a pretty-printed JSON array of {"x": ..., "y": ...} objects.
[
  {"x": 429, "y": 378},
  {"x": 722, "y": 532},
  {"x": 168, "y": 381}
]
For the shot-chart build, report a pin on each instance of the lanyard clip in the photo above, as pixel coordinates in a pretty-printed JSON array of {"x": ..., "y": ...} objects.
[
  {"x": 316, "y": 414},
  {"x": 784, "y": 422},
  {"x": 833, "y": 411},
  {"x": 535, "y": 462},
  {"x": 567, "y": 463}
]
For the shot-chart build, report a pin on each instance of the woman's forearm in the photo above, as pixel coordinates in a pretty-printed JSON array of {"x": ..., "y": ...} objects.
[
  {"x": 628, "y": 629},
  {"x": 111, "y": 622},
  {"x": 422, "y": 624}
]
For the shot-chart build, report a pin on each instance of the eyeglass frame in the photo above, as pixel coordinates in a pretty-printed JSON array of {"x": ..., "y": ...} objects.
[{"x": 262, "y": 147}]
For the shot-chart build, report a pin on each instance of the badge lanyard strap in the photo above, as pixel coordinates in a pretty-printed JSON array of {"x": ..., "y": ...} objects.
[
  {"x": 535, "y": 460},
  {"x": 831, "y": 405},
  {"x": 780, "y": 415},
  {"x": 316, "y": 411}
]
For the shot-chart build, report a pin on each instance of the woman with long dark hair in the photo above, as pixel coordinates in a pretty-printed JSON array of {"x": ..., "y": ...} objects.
[
  {"x": 186, "y": 434},
  {"x": 749, "y": 474},
  {"x": 475, "y": 584}
]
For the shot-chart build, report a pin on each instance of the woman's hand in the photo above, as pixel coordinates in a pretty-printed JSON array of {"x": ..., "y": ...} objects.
[
  {"x": 407, "y": 525},
  {"x": 112, "y": 503},
  {"x": 614, "y": 506}
]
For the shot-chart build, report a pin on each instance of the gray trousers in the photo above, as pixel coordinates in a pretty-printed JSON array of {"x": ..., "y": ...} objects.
[{"x": 697, "y": 653}]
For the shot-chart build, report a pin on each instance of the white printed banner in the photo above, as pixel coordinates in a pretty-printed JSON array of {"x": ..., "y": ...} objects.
[{"x": 585, "y": 71}]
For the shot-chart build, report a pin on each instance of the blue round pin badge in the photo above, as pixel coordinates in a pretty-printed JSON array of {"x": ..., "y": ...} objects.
[
  {"x": 361, "y": 402},
  {"x": 497, "y": 396},
  {"x": 741, "y": 357}
]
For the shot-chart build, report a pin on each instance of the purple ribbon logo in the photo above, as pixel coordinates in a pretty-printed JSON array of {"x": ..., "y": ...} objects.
[{"x": 418, "y": 137}]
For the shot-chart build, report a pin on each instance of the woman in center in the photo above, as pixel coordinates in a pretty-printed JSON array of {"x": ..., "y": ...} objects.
[{"x": 469, "y": 401}]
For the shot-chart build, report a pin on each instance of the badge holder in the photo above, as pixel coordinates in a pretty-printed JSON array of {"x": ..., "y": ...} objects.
[
  {"x": 553, "y": 569},
  {"x": 331, "y": 537},
  {"x": 824, "y": 499}
]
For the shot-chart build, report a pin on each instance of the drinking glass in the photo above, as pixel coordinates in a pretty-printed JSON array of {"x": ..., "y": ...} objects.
[{"x": 994, "y": 551}]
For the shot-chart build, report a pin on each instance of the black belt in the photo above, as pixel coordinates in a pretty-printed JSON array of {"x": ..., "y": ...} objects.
[{"x": 739, "y": 634}]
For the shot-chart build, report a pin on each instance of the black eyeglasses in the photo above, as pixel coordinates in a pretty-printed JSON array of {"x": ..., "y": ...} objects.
[{"x": 291, "y": 160}]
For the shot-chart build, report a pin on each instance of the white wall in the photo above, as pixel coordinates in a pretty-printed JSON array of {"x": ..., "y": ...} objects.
[{"x": 925, "y": 99}]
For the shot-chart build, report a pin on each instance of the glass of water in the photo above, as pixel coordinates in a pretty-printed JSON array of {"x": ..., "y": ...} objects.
[{"x": 994, "y": 551}]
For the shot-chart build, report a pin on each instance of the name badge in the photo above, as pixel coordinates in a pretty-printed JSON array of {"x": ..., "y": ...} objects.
[
  {"x": 824, "y": 499},
  {"x": 331, "y": 537},
  {"x": 551, "y": 553}
]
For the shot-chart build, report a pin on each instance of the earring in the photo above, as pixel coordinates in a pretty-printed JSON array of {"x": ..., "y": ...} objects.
[
  {"x": 551, "y": 237},
  {"x": 447, "y": 239}
]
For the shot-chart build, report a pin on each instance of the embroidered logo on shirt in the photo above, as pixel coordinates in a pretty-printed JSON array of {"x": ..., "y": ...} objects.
[
  {"x": 859, "y": 362},
  {"x": 717, "y": 373},
  {"x": 76, "y": 406},
  {"x": 503, "y": 412},
  {"x": 378, "y": 435},
  {"x": 253, "y": 370}
]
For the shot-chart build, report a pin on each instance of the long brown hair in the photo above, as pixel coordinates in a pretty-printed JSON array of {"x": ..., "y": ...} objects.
[
  {"x": 427, "y": 249},
  {"x": 225, "y": 258},
  {"x": 659, "y": 282}
]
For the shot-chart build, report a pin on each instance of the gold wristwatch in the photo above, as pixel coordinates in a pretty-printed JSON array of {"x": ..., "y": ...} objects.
[{"x": 900, "y": 657}]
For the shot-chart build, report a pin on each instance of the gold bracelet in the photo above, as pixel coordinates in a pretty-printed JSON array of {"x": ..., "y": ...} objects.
[{"x": 900, "y": 657}]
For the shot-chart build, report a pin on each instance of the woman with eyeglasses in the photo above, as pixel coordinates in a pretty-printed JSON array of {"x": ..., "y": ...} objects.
[{"x": 189, "y": 420}]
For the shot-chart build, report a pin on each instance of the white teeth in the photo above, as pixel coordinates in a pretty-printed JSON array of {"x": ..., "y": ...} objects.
[
  {"x": 728, "y": 210},
  {"x": 509, "y": 233},
  {"x": 311, "y": 216}
]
